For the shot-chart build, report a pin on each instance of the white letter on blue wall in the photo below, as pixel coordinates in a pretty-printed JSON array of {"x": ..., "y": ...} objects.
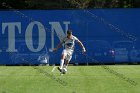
[
  {"x": 56, "y": 27},
  {"x": 29, "y": 39},
  {"x": 11, "y": 34}
]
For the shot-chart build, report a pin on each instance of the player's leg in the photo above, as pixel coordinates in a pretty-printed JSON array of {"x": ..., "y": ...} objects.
[
  {"x": 62, "y": 60},
  {"x": 65, "y": 66},
  {"x": 66, "y": 63},
  {"x": 68, "y": 58}
]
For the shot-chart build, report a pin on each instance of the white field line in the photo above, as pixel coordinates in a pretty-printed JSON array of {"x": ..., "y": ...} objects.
[{"x": 53, "y": 69}]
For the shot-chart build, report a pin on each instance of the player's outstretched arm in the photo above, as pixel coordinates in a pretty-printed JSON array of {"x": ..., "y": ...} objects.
[
  {"x": 58, "y": 46},
  {"x": 82, "y": 46}
]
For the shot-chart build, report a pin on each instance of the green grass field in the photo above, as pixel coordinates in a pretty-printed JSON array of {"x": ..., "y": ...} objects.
[{"x": 79, "y": 79}]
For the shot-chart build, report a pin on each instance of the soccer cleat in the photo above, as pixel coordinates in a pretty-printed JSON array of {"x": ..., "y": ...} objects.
[
  {"x": 59, "y": 69},
  {"x": 63, "y": 72}
]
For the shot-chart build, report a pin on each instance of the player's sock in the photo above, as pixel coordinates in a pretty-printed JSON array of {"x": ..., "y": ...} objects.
[{"x": 61, "y": 63}]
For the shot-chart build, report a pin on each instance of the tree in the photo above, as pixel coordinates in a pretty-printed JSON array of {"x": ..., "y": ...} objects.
[
  {"x": 16, "y": 4},
  {"x": 69, "y": 4}
]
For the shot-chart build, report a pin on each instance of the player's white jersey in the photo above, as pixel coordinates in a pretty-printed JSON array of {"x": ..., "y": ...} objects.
[{"x": 69, "y": 43}]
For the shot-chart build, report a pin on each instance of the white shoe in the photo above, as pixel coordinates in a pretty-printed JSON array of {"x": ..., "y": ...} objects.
[{"x": 64, "y": 71}]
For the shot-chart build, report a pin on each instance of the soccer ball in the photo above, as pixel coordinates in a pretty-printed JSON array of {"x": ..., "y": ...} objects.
[{"x": 64, "y": 70}]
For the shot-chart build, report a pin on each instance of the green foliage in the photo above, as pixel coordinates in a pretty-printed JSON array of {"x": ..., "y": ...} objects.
[
  {"x": 70, "y": 4},
  {"x": 16, "y": 4}
]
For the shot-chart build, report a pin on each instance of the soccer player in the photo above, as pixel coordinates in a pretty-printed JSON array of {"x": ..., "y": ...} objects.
[{"x": 69, "y": 44}]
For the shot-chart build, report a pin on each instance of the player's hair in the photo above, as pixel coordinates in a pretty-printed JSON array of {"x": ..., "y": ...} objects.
[{"x": 69, "y": 32}]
